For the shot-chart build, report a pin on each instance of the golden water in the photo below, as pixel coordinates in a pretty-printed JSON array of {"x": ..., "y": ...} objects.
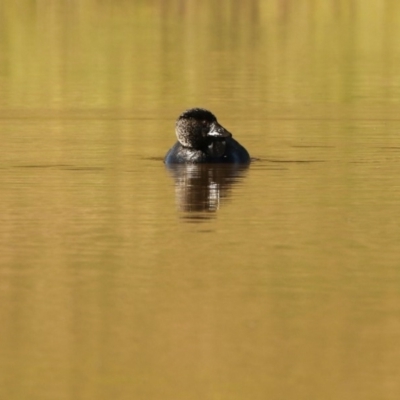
[{"x": 122, "y": 279}]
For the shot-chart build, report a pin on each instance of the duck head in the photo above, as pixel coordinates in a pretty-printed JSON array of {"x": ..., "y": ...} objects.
[{"x": 198, "y": 128}]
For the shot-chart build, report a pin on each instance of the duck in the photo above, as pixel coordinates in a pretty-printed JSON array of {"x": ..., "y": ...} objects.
[{"x": 202, "y": 139}]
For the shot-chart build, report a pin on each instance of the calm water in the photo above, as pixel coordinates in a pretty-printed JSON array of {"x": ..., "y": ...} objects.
[{"x": 122, "y": 279}]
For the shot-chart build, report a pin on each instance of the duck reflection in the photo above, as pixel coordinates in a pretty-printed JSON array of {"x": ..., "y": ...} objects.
[{"x": 200, "y": 188}]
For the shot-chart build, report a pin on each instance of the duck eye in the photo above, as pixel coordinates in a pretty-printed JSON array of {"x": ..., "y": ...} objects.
[{"x": 204, "y": 122}]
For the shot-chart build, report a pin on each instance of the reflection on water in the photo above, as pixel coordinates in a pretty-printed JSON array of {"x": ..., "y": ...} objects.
[{"x": 200, "y": 189}]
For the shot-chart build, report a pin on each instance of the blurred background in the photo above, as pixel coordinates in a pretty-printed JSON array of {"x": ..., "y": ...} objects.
[{"x": 121, "y": 279}]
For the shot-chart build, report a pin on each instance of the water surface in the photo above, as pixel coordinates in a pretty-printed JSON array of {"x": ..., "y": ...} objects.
[{"x": 124, "y": 279}]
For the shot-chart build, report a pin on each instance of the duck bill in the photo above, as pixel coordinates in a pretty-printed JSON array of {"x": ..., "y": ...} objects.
[{"x": 218, "y": 131}]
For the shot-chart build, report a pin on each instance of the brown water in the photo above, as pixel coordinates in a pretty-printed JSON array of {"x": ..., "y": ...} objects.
[{"x": 122, "y": 279}]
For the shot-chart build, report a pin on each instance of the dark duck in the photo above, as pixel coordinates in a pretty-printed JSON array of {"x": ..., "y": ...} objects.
[{"x": 201, "y": 139}]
